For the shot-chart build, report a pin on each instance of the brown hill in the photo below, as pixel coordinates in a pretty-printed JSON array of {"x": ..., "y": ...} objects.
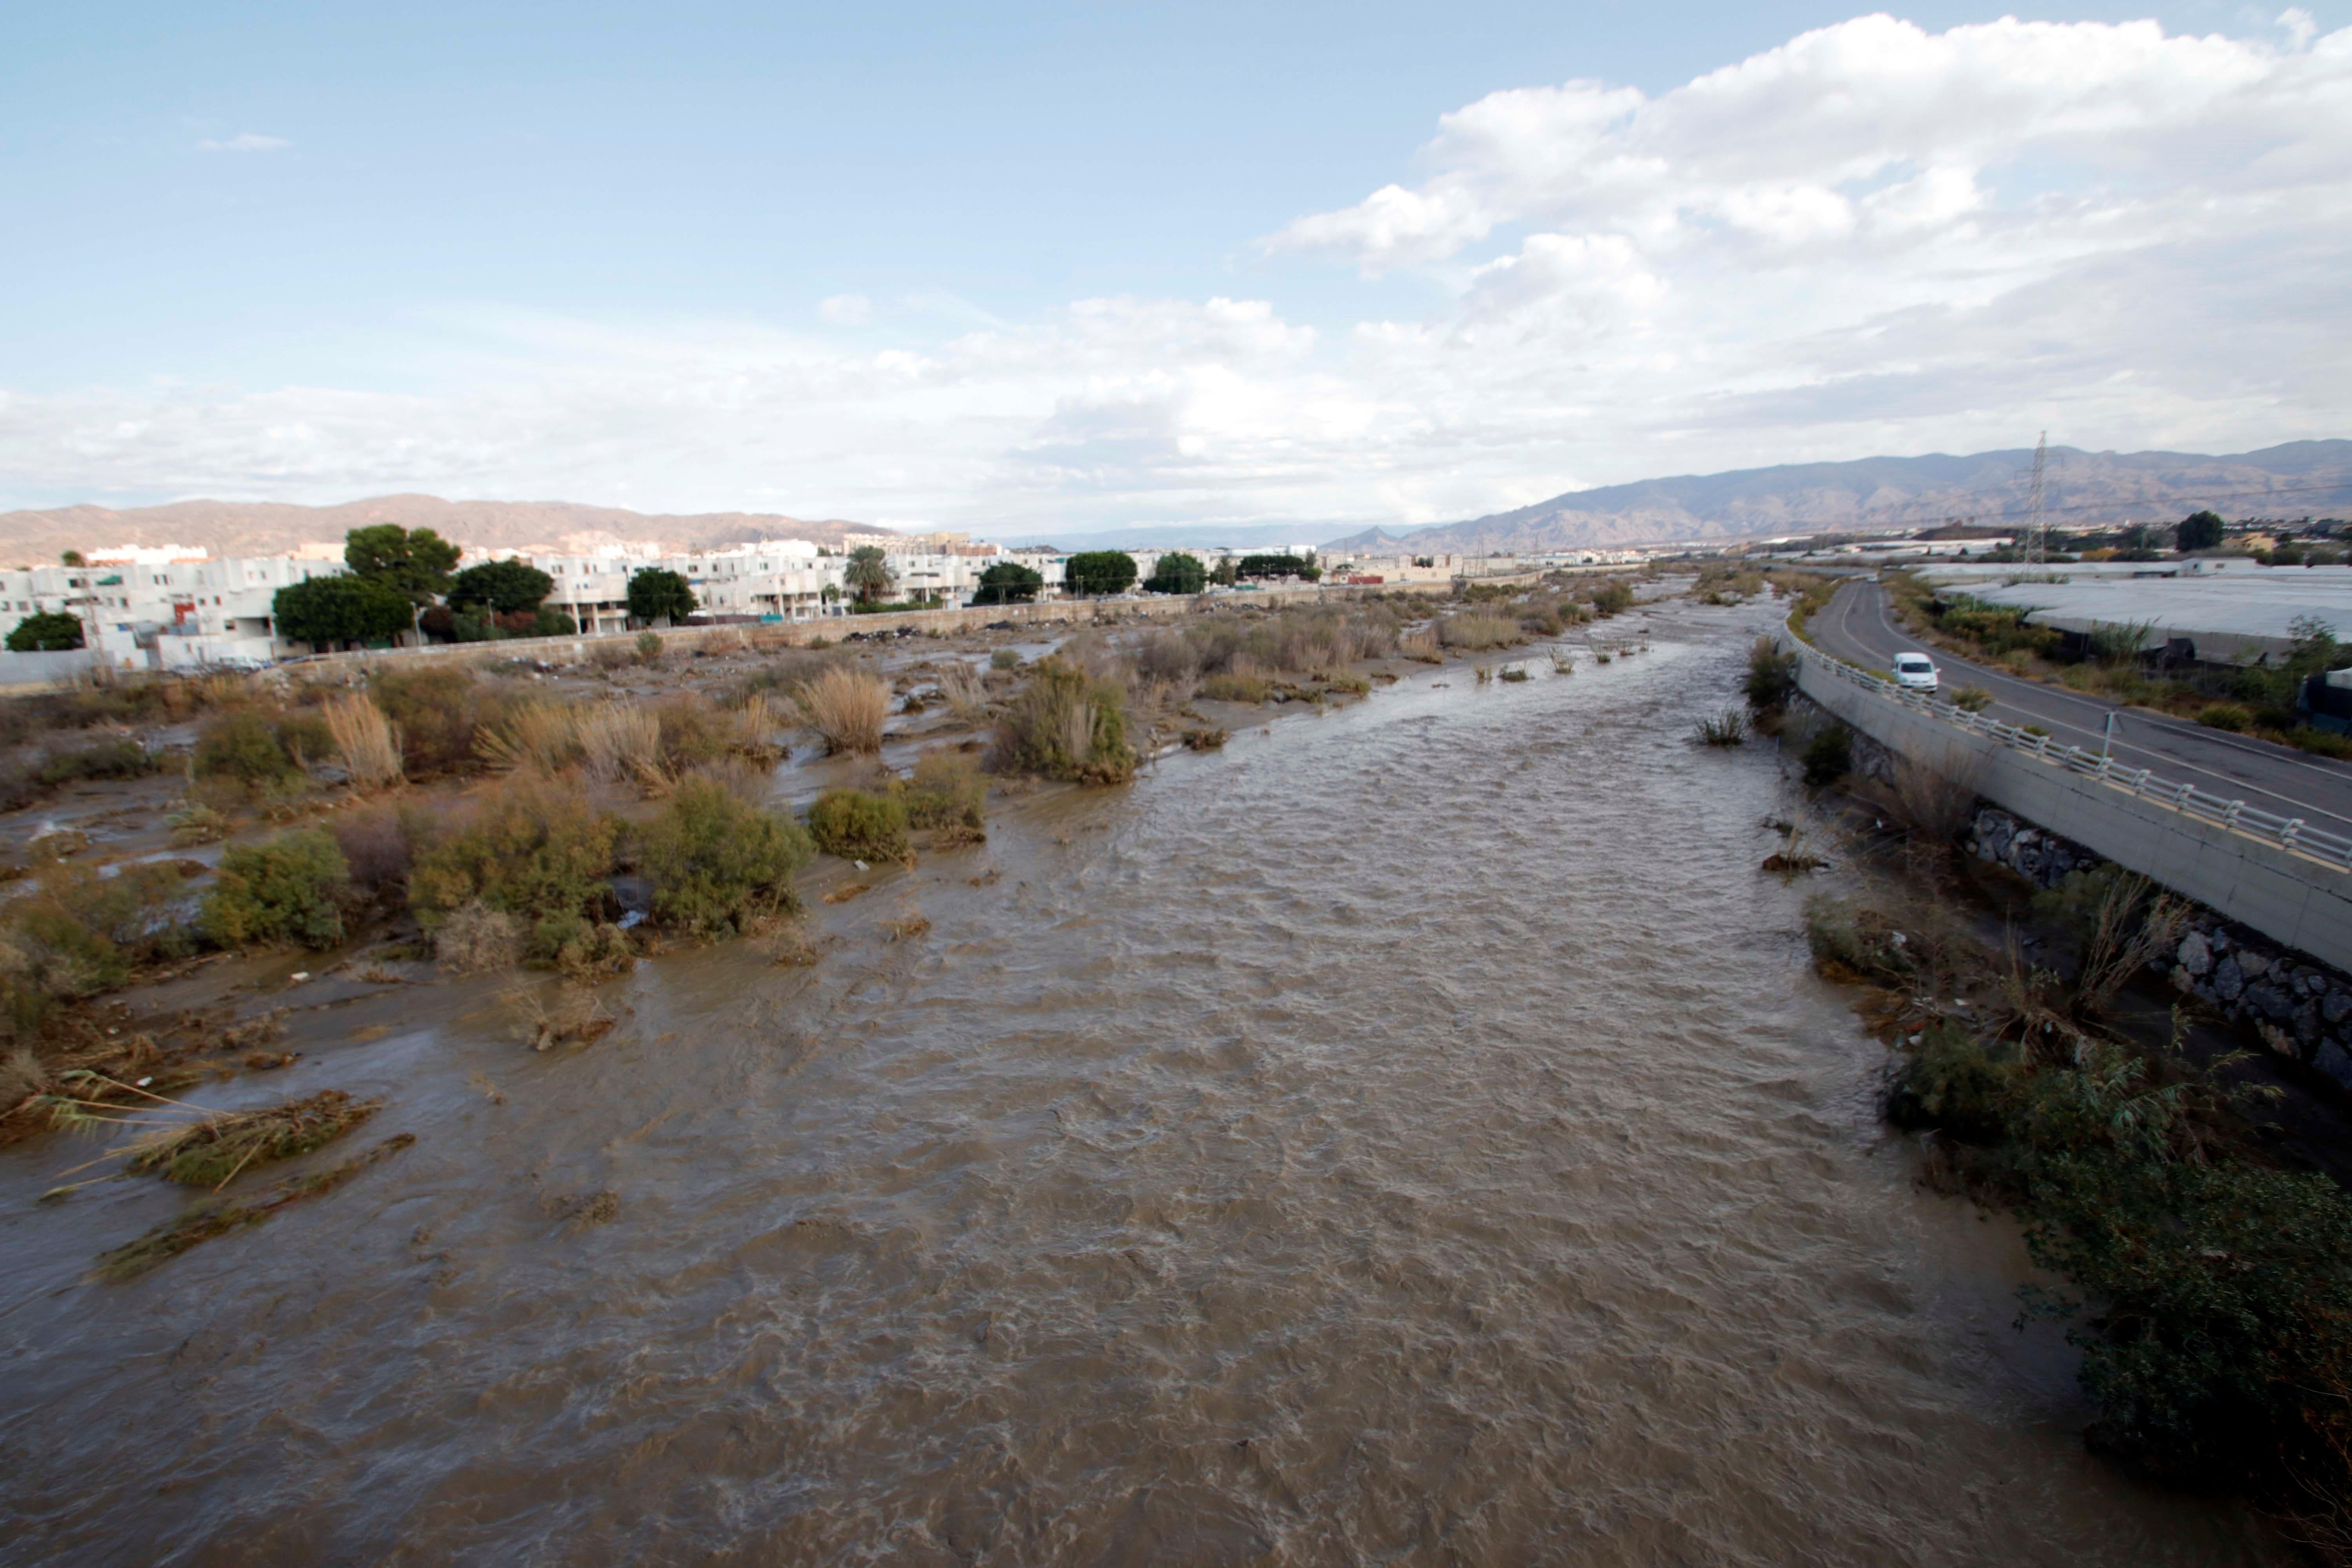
[
  {"x": 273, "y": 528},
  {"x": 1883, "y": 494}
]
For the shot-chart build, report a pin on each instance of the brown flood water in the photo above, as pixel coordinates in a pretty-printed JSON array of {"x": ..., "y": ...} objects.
[{"x": 1413, "y": 1136}]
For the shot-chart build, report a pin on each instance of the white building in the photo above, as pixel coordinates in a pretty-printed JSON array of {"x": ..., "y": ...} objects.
[{"x": 172, "y": 616}]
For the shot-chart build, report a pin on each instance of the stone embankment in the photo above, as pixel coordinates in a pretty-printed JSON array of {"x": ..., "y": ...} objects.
[{"x": 2298, "y": 1008}]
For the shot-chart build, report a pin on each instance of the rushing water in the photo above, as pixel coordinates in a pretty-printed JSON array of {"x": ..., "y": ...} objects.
[{"x": 1411, "y": 1134}]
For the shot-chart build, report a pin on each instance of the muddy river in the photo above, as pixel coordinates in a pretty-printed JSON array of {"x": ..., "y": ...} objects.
[{"x": 1411, "y": 1134}]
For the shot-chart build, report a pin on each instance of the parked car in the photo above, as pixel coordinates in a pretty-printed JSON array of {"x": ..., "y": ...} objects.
[{"x": 1915, "y": 670}]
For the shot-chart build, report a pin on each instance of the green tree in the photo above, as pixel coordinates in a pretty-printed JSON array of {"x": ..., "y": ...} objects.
[
  {"x": 45, "y": 631},
  {"x": 1284, "y": 566},
  {"x": 1177, "y": 572},
  {"x": 329, "y": 610},
  {"x": 868, "y": 573},
  {"x": 507, "y": 587},
  {"x": 1223, "y": 573},
  {"x": 1008, "y": 583},
  {"x": 1093, "y": 572},
  {"x": 656, "y": 591},
  {"x": 417, "y": 564},
  {"x": 2198, "y": 530},
  {"x": 72, "y": 557}
]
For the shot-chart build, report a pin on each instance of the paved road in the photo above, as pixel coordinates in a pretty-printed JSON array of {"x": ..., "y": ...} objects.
[{"x": 1857, "y": 624}]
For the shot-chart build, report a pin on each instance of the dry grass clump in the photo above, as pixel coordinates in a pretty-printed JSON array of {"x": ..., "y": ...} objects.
[
  {"x": 1475, "y": 632},
  {"x": 1423, "y": 646},
  {"x": 846, "y": 708},
  {"x": 966, "y": 695},
  {"x": 366, "y": 739},
  {"x": 544, "y": 736}
]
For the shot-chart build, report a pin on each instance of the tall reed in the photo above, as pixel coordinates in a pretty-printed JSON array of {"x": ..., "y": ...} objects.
[
  {"x": 846, "y": 708},
  {"x": 369, "y": 744}
]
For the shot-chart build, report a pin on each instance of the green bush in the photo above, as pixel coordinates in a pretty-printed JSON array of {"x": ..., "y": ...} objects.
[
  {"x": 2227, "y": 716},
  {"x": 289, "y": 890},
  {"x": 1004, "y": 658},
  {"x": 948, "y": 796},
  {"x": 1772, "y": 676},
  {"x": 243, "y": 746},
  {"x": 45, "y": 631},
  {"x": 649, "y": 647},
  {"x": 536, "y": 851},
  {"x": 1063, "y": 725},
  {"x": 857, "y": 825},
  {"x": 76, "y": 933},
  {"x": 106, "y": 760},
  {"x": 2221, "y": 1348},
  {"x": 717, "y": 863},
  {"x": 1829, "y": 755}
]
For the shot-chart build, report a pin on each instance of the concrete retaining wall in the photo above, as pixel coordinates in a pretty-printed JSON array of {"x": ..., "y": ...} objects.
[
  {"x": 1052, "y": 613},
  {"x": 2296, "y": 901}
]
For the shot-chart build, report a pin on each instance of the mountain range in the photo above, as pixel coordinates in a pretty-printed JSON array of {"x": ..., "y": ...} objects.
[
  {"x": 1887, "y": 494},
  {"x": 273, "y": 528},
  {"x": 1871, "y": 494}
]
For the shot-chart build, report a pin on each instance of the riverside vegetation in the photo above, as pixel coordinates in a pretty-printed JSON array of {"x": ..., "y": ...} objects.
[{"x": 2209, "y": 1279}]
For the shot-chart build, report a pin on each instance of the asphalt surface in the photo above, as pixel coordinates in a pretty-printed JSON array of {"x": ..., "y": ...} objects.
[{"x": 1859, "y": 626}]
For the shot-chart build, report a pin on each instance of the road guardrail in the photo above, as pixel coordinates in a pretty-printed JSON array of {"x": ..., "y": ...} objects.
[{"x": 2290, "y": 833}]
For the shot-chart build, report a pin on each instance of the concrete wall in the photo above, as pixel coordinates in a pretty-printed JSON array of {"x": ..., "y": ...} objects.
[
  {"x": 39, "y": 671},
  {"x": 1051, "y": 614},
  {"x": 2293, "y": 900}
]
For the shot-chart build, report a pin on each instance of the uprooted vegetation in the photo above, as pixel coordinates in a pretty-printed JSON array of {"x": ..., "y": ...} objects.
[
  {"x": 203, "y": 1224},
  {"x": 2209, "y": 1288}
]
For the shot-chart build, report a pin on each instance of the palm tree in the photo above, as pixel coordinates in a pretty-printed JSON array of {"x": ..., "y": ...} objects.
[{"x": 868, "y": 572}]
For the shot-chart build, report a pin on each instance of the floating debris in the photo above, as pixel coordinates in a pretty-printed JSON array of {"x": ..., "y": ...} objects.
[{"x": 199, "y": 1225}]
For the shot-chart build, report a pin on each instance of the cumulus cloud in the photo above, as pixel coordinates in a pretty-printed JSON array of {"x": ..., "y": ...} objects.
[
  {"x": 1872, "y": 238},
  {"x": 246, "y": 141}
]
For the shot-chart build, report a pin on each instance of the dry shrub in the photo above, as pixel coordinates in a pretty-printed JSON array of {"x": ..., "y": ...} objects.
[
  {"x": 1422, "y": 645},
  {"x": 542, "y": 735},
  {"x": 1477, "y": 632},
  {"x": 846, "y": 708},
  {"x": 966, "y": 697},
  {"x": 578, "y": 1015},
  {"x": 691, "y": 731},
  {"x": 436, "y": 709},
  {"x": 612, "y": 655},
  {"x": 1934, "y": 799},
  {"x": 380, "y": 843},
  {"x": 620, "y": 741},
  {"x": 475, "y": 937},
  {"x": 1167, "y": 656},
  {"x": 366, "y": 741}
]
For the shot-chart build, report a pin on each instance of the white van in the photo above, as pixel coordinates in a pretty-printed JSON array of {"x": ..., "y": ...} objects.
[{"x": 1916, "y": 671}]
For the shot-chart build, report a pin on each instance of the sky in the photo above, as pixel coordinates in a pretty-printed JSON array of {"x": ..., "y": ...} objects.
[{"x": 1024, "y": 269}]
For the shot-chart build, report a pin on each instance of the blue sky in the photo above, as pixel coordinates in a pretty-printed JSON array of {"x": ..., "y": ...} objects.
[{"x": 1085, "y": 268}]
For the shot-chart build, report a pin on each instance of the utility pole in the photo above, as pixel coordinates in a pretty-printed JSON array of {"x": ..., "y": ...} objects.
[{"x": 2037, "y": 531}]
